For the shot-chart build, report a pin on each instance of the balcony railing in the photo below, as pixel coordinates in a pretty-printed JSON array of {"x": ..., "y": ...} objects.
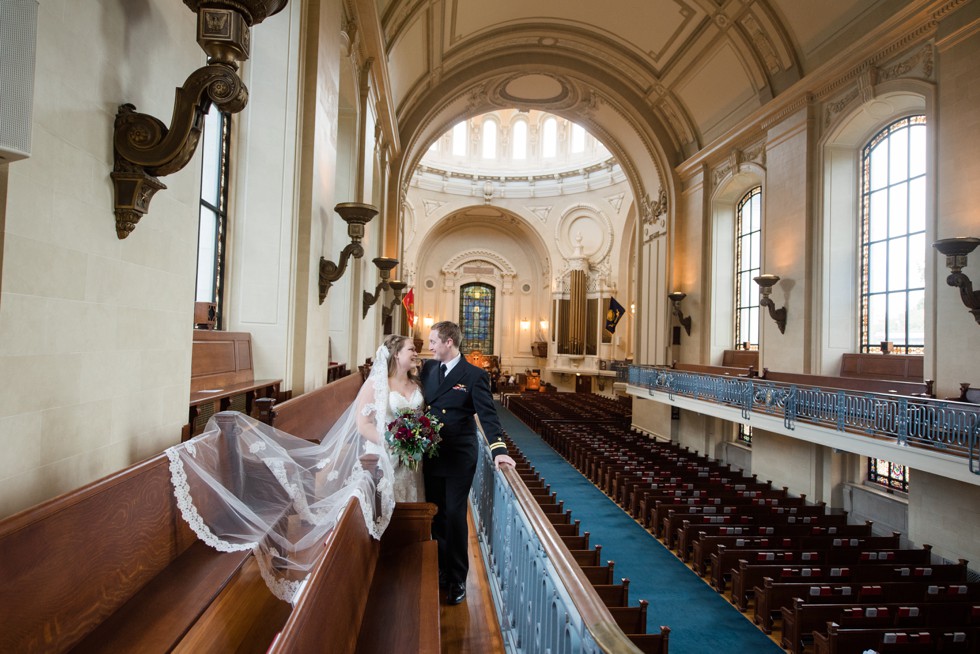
[
  {"x": 544, "y": 602},
  {"x": 949, "y": 427}
]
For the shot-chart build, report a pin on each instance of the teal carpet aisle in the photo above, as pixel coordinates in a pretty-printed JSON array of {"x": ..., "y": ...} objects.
[{"x": 701, "y": 620}]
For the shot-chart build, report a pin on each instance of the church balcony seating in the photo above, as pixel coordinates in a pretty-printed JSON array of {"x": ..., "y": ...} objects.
[
  {"x": 222, "y": 378},
  {"x": 112, "y": 567}
]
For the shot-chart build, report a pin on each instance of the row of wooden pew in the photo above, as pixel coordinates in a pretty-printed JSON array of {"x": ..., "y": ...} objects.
[
  {"x": 113, "y": 567},
  {"x": 631, "y": 619},
  {"x": 786, "y": 560}
]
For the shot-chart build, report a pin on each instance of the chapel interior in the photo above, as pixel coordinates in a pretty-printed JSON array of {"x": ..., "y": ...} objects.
[{"x": 591, "y": 189}]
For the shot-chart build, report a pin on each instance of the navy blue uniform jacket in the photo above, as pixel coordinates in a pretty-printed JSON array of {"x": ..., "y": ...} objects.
[{"x": 464, "y": 392}]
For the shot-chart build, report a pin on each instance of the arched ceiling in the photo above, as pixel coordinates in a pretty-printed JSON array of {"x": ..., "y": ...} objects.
[{"x": 698, "y": 66}]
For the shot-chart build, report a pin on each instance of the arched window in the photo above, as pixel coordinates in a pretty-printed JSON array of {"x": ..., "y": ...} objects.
[
  {"x": 519, "y": 140},
  {"x": 213, "y": 221},
  {"x": 549, "y": 138},
  {"x": 893, "y": 237},
  {"x": 459, "y": 139},
  {"x": 489, "y": 139},
  {"x": 748, "y": 248},
  {"x": 476, "y": 310},
  {"x": 748, "y": 245},
  {"x": 578, "y": 138},
  {"x": 893, "y": 253}
]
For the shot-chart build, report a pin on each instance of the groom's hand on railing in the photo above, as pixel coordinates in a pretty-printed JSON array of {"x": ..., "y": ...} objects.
[{"x": 503, "y": 460}]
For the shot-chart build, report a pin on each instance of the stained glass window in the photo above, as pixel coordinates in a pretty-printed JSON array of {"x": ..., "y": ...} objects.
[
  {"x": 476, "y": 310},
  {"x": 890, "y": 475},
  {"x": 213, "y": 219},
  {"x": 893, "y": 237}
]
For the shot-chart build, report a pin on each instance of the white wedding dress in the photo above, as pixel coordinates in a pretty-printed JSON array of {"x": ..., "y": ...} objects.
[{"x": 408, "y": 484}]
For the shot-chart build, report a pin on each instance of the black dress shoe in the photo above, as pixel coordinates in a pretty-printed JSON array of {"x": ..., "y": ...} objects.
[{"x": 457, "y": 593}]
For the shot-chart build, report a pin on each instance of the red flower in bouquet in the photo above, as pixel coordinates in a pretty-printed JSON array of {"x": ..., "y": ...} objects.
[{"x": 412, "y": 435}]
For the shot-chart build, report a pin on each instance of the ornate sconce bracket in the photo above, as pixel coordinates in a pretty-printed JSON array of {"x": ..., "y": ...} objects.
[
  {"x": 675, "y": 299},
  {"x": 144, "y": 148},
  {"x": 356, "y": 215},
  {"x": 956, "y": 251},
  {"x": 398, "y": 288},
  {"x": 766, "y": 282},
  {"x": 384, "y": 264}
]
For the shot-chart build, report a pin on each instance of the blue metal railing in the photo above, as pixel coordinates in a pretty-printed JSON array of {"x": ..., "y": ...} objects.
[
  {"x": 950, "y": 427},
  {"x": 543, "y": 604}
]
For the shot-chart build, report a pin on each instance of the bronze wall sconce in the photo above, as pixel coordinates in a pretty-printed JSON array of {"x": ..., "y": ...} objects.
[
  {"x": 384, "y": 264},
  {"x": 145, "y": 149},
  {"x": 766, "y": 282},
  {"x": 356, "y": 215},
  {"x": 398, "y": 288},
  {"x": 956, "y": 250},
  {"x": 675, "y": 299}
]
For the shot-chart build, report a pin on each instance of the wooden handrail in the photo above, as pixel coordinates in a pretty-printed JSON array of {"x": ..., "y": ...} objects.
[{"x": 595, "y": 616}]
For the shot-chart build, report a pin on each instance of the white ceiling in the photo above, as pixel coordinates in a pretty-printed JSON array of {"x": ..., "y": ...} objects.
[{"x": 706, "y": 63}]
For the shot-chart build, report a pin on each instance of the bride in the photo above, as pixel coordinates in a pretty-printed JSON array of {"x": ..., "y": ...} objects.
[
  {"x": 392, "y": 387},
  {"x": 243, "y": 485}
]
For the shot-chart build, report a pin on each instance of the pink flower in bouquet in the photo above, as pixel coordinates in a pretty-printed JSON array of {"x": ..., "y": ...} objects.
[{"x": 412, "y": 435}]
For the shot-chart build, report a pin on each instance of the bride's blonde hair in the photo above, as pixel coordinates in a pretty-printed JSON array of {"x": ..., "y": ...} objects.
[{"x": 394, "y": 343}]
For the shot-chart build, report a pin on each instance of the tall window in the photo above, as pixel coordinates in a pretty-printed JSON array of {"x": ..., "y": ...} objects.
[
  {"x": 578, "y": 138},
  {"x": 893, "y": 240},
  {"x": 519, "y": 140},
  {"x": 214, "y": 210},
  {"x": 476, "y": 310},
  {"x": 748, "y": 246},
  {"x": 459, "y": 139},
  {"x": 890, "y": 475},
  {"x": 549, "y": 138},
  {"x": 489, "y": 139}
]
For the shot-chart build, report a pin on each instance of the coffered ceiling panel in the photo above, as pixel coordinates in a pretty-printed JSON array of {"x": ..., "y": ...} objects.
[
  {"x": 655, "y": 28},
  {"x": 410, "y": 50},
  {"x": 717, "y": 87}
]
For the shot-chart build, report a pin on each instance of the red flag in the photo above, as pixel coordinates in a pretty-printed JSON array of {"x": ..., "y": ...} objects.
[{"x": 409, "y": 303}]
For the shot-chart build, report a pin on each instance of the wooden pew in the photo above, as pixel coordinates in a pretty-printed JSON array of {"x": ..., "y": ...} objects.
[
  {"x": 221, "y": 370},
  {"x": 369, "y": 596},
  {"x": 311, "y": 414},
  {"x": 859, "y": 384},
  {"x": 896, "y": 367},
  {"x": 894, "y": 639},
  {"x": 772, "y": 596},
  {"x": 111, "y": 566},
  {"x": 812, "y": 550},
  {"x": 652, "y": 643},
  {"x": 801, "y": 619},
  {"x": 747, "y": 575},
  {"x": 772, "y": 524}
]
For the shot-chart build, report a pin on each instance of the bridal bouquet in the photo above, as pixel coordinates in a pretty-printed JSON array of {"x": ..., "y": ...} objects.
[{"x": 412, "y": 434}]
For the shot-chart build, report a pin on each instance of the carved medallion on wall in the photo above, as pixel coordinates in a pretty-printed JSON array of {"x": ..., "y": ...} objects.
[{"x": 584, "y": 226}]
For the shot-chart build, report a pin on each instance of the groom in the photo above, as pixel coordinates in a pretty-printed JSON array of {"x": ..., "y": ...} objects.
[{"x": 455, "y": 390}]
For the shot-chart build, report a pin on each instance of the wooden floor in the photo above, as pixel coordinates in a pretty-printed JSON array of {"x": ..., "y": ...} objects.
[{"x": 471, "y": 627}]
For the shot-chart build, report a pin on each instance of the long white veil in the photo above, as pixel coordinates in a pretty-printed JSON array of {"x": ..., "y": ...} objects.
[{"x": 243, "y": 485}]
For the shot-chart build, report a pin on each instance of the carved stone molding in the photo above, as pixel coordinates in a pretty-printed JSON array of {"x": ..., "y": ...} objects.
[
  {"x": 918, "y": 64},
  {"x": 737, "y": 159},
  {"x": 654, "y": 214}
]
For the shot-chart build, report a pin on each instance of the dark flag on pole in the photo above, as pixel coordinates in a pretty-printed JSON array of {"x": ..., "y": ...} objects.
[{"x": 613, "y": 315}]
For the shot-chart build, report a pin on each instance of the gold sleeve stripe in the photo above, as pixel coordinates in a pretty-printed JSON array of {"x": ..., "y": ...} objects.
[{"x": 498, "y": 444}]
